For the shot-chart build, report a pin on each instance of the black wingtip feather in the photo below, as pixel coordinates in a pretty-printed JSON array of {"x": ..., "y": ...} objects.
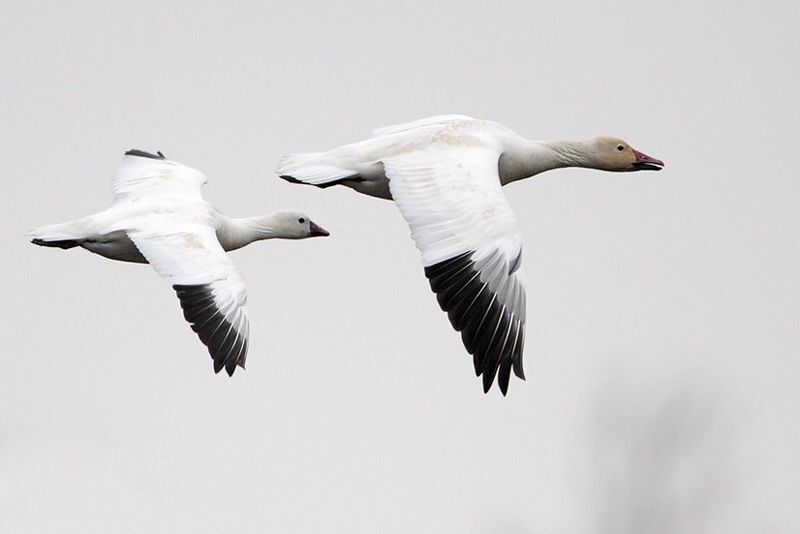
[
  {"x": 143, "y": 154},
  {"x": 226, "y": 347},
  {"x": 489, "y": 331},
  {"x": 506, "y": 358},
  {"x": 62, "y": 243},
  {"x": 292, "y": 180},
  {"x": 496, "y": 350}
]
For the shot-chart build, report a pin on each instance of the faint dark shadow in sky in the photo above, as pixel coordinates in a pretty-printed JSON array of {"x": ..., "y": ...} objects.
[{"x": 662, "y": 457}]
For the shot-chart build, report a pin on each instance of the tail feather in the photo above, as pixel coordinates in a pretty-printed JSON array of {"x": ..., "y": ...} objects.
[
  {"x": 307, "y": 169},
  {"x": 63, "y": 235}
]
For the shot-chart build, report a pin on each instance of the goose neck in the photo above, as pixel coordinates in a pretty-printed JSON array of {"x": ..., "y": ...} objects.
[{"x": 529, "y": 158}]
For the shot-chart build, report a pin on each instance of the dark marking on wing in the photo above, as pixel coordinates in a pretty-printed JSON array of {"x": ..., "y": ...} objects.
[
  {"x": 143, "y": 154},
  {"x": 293, "y": 180},
  {"x": 490, "y": 331},
  {"x": 228, "y": 348},
  {"x": 60, "y": 243}
]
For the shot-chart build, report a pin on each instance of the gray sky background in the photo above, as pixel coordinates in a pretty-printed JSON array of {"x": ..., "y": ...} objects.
[{"x": 663, "y": 308}]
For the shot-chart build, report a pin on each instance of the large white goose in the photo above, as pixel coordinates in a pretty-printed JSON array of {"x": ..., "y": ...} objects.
[
  {"x": 159, "y": 217},
  {"x": 445, "y": 175}
]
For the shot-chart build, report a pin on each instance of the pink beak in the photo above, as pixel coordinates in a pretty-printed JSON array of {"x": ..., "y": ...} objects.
[
  {"x": 644, "y": 162},
  {"x": 317, "y": 230}
]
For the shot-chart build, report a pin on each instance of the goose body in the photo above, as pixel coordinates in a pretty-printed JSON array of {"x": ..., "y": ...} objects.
[
  {"x": 159, "y": 217},
  {"x": 445, "y": 174}
]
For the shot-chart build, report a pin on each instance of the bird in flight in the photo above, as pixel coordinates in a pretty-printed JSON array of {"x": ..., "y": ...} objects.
[
  {"x": 159, "y": 217},
  {"x": 445, "y": 174}
]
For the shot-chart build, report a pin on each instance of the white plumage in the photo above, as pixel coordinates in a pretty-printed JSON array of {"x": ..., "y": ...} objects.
[
  {"x": 445, "y": 174},
  {"x": 159, "y": 217}
]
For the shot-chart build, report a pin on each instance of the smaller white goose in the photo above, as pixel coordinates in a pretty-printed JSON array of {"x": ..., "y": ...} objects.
[
  {"x": 159, "y": 217},
  {"x": 445, "y": 174}
]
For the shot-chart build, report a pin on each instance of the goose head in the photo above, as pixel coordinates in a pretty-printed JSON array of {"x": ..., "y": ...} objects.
[
  {"x": 613, "y": 154},
  {"x": 296, "y": 225}
]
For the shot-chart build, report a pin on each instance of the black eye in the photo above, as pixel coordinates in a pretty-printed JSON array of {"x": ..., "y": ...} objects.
[
  {"x": 620, "y": 147},
  {"x": 301, "y": 220}
]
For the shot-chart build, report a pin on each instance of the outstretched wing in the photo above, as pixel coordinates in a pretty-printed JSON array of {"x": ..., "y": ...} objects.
[
  {"x": 141, "y": 174},
  {"x": 208, "y": 284},
  {"x": 471, "y": 249},
  {"x": 427, "y": 121}
]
